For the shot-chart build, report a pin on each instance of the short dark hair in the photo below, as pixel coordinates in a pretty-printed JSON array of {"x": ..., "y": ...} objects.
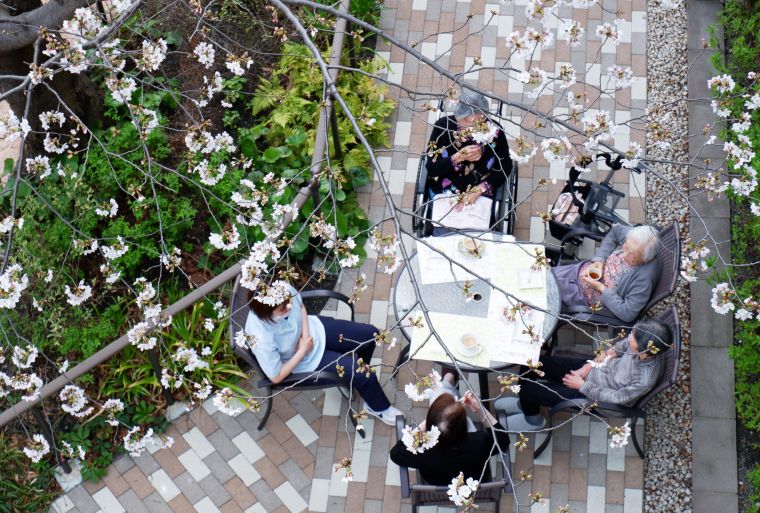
[
  {"x": 262, "y": 310},
  {"x": 649, "y": 330},
  {"x": 448, "y": 414}
]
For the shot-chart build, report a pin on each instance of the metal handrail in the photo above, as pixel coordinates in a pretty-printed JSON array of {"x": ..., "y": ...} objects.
[{"x": 115, "y": 347}]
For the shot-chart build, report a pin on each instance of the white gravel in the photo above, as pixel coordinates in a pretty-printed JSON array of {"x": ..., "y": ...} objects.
[{"x": 667, "y": 473}]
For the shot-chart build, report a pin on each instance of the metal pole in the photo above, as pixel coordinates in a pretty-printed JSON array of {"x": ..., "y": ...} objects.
[
  {"x": 48, "y": 434},
  {"x": 153, "y": 357}
]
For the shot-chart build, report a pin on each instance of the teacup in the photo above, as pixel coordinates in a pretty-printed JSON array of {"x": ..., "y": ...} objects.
[
  {"x": 469, "y": 344},
  {"x": 594, "y": 274}
]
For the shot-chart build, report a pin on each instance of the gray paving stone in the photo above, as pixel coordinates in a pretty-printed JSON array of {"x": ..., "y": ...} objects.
[
  {"x": 562, "y": 438},
  {"x": 266, "y": 495},
  {"x": 381, "y": 446},
  {"x": 123, "y": 463},
  {"x": 324, "y": 462},
  {"x": 613, "y": 508},
  {"x": 336, "y": 504},
  {"x": 639, "y": 45},
  {"x": 712, "y": 441},
  {"x": 304, "y": 405},
  {"x": 294, "y": 474},
  {"x": 189, "y": 487},
  {"x": 371, "y": 506},
  {"x": 700, "y": 71},
  {"x": 597, "y": 469},
  {"x": 718, "y": 233},
  {"x": 83, "y": 500},
  {"x": 214, "y": 490},
  {"x": 156, "y": 504},
  {"x": 712, "y": 382},
  {"x": 228, "y": 424},
  {"x": 218, "y": 466},
  {"x": 147, "y": 463},
  {"x": 224, "y": 446},
  {"x": 579, "y": 452},
  {"x": 132, "y": 503},
  {"x": 709, "y": 330},
  {"x": 700, "y": 114},
  {"x": 577, "y": 507},
  {"x": 701, "y": 14},
  {"x": 710, "y": 502},
  {"x": 558, "y": 495},
  {"x": 701, "y": 205}
]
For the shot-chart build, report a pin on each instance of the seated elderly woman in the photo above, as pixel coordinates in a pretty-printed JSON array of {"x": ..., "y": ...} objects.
[
  {"x": 469, "y": 160},
  {"x": 619, "y": 278},
  {"x": 460, "y": 447},
  {"x": 621, "y": 375}
]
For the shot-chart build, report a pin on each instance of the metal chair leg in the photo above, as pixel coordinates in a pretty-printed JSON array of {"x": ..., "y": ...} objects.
[
  {"x": 267, "y": 411},
  {"x": 635, "y": 438},
  {"x": 548, "y": 438},
  {"x": 402, "y": 356}
]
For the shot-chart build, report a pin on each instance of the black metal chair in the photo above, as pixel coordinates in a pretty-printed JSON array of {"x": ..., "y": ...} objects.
[
  {"x": 669, "y": 253},
  {"x": 297, "y": 381},
  {"x": 638, "y": 410},
  {"x": 423, "y": 494},
  {"x": 503, "y": 210}
]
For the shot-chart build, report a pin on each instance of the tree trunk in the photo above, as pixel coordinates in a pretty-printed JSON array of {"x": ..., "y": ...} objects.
[{"x": 78, "y": 92}]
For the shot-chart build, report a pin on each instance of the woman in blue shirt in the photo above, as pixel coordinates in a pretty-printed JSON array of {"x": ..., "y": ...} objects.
[{"x": 288, "y": 340}]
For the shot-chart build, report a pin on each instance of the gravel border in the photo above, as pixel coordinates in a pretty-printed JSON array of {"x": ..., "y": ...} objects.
[{"x": 668, "y": 465}]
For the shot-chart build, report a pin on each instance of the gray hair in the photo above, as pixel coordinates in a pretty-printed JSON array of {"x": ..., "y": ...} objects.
[
  {"x": 470, "y": 103},
  {"x": 646, "y": 237},
  {"x": 650, "y": 330}
]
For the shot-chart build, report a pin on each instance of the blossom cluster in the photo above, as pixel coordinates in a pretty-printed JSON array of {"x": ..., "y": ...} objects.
[
  {"x": 462, "y": 492},
  {"x": 418, "y": 440},
  {"x": 420, "y": 391},
  {"x": 386, "y": 248}
]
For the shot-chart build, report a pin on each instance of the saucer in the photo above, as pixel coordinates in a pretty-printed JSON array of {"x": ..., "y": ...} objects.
[{"x": 467, "y": 351}]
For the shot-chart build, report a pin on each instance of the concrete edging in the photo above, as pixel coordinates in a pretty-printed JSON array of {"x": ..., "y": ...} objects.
[{"x": 714, "y": 471}]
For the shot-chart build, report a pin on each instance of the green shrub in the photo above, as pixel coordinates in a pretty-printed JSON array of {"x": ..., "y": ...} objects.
[{"x": 23, "y": 489}]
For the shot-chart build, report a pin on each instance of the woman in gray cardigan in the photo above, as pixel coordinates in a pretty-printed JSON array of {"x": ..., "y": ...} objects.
[
  {"x": 621, "y": 375},
  {"x": 619, "y": 279}
]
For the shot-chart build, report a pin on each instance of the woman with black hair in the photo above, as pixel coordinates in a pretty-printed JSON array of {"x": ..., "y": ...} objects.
[{"x": 460, "y": 448}]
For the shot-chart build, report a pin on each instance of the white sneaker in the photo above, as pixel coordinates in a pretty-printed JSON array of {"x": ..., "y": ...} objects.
[{"x": 387, "y": 416}]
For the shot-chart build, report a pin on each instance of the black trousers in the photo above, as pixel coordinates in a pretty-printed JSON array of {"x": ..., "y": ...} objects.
[{"x": 549, "y": 390}]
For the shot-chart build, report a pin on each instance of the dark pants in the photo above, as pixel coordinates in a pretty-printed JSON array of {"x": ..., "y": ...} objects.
[
  {"x": 550, "y": 390},
  {"x": 355, "y": 336}
]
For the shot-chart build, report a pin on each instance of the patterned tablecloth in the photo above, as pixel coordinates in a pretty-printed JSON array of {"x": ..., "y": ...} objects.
[{"x": 503, "y": 264}]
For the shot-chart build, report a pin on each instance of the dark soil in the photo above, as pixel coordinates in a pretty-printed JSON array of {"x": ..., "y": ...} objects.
[{"x": 747, "y": 457}]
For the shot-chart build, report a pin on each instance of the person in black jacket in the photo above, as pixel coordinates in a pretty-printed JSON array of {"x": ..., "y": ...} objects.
[
  {"x": 458, "y": 449},
  {"x": 468, "y": 153}
]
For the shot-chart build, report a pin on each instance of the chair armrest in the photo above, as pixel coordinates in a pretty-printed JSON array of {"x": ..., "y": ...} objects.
[
  {"x": 505, "y": 458},
  {"x": 330, "y": 294},
  {"x": 422, "y": 175},
  {"x": 325, "y": 378},
  {"x": 582, "y": 313},
  {"x": 618, "y": 410},
  {"x": 403, "y": 471},
  {"x": 581, "y": 232}
]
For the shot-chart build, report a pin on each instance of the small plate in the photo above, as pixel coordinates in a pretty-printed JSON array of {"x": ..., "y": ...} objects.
[{"x": 466, "y": 252}]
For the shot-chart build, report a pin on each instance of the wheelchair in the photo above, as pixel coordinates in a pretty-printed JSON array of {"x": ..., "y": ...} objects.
[{"x": 503, "y": 217}]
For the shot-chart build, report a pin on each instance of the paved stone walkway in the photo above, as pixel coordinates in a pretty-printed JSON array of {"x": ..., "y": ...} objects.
[{"x": 223, "y": 464}]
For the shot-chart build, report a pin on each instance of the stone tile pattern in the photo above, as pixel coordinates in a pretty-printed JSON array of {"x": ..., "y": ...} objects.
[{"x": 225, "y": 464}]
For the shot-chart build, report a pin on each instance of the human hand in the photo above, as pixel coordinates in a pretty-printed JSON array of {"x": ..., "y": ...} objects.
[
  {"x": 573, "y": 381},
  {"x": 473, "y": 152},
  {"x": 582, "y": 372},
  {"x": 471, "y": 402},
  {"x": 594, "y": 284},
  {"x": 306, "y": 344},
  {"x": 469, "y": 198}
]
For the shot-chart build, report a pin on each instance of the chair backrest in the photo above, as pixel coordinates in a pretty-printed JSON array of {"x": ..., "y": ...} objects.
[
  {"x": 238, "y": 315},
  {"x": 672, "y": 357},
  {"x": 669, "y": 254}
]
